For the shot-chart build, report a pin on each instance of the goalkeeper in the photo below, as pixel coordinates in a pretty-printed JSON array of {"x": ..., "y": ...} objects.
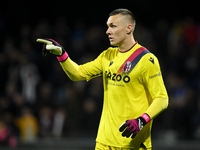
[{"x": 134, "y": 92}]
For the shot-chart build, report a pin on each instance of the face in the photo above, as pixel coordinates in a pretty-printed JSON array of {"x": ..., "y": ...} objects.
[{"x": 117, "y": 30}]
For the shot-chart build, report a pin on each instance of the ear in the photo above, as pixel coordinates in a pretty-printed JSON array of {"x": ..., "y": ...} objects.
[{"x": 129, "y": 29}]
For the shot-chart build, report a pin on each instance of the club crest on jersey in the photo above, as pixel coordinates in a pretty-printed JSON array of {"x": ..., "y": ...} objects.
[
  {"x": 132, "y": 61},
  {"x": 127, "y": 67}
]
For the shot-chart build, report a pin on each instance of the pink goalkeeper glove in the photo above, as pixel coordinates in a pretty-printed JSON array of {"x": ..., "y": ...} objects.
[
  {"x": 54, "y": 48},
  {"x": 133, "y": 126}
]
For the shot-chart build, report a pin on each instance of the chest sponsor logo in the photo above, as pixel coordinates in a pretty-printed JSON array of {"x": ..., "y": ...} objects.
[{"x": 117, "y": 77}]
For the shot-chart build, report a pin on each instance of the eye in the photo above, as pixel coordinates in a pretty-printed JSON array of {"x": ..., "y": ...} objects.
[{"x": 113, "y": 26}]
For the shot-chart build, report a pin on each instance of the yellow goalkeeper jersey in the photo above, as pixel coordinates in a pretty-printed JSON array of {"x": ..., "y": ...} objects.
[{"x": 130, "y": 86}]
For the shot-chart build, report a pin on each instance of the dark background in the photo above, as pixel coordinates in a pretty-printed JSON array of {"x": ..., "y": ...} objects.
[{"x": 169, "y": 29}]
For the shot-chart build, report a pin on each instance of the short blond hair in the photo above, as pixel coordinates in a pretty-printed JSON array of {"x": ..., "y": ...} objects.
[{"x": 124, "y": 12}]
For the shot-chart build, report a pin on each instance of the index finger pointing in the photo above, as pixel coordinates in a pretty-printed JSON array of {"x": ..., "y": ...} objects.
[{"x": 43, "y": 41}]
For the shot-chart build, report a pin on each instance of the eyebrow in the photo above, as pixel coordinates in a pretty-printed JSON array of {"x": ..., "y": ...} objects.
[{"x": 109, "y": 24}]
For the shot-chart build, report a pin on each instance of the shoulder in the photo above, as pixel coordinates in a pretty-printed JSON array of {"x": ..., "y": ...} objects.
[
  {"x": 150, "y": 62},
  {"x": 111, "y": 50},
  {"x": 150, "y": 57},
  {"x": 110, "y": 53}
]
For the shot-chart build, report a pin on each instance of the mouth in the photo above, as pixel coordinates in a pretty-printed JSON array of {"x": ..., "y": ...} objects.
[{"x": 110, "y": 38}]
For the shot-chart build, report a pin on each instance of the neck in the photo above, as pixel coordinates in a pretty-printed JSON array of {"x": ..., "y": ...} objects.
[{"x": 127, "y": 44}]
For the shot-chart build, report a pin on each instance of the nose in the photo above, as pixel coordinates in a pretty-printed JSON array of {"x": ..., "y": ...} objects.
[{"x": 108, "y": 32}]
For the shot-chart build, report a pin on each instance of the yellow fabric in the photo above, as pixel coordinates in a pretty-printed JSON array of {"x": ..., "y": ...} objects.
[
  {"x": 158, "y": 105},
  {"x": 72, "y": 70},
  {"x": 126, "y": 96},
  {"x": 100, "y": 146}
]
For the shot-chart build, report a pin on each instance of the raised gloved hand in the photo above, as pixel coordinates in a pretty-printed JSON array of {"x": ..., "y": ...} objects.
[
  {"x": 133, "y": 126},
  {"x": 54, "y": 48}
]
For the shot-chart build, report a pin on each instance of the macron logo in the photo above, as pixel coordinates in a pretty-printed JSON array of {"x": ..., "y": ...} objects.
[
  {"x": 151, "y": 60},
  {"x": 111, "y": 62}
]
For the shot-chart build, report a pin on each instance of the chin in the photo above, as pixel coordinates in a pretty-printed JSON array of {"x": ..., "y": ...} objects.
[{"x": 113, "y": 44}]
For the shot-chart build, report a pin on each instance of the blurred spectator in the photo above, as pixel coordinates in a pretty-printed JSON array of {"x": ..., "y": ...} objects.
[
  {"x": 45, "y": 122},
  {"x": 190, "y": 32},
  {"x": 17, "y": 103},
  {"x": 28, "y": 126},
  {"x": 6, "y": 136},
  {"x": 45, "y": 95},
  {"x": 59, "y": 123},
  {"x": 29, "y": 78}
]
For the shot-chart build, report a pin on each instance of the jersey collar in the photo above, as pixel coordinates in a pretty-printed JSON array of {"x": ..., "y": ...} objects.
[{"x": 129, "y": 48}]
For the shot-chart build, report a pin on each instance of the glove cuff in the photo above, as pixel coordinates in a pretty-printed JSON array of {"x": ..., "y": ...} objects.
[
  {"x": 63, "y": 57},
  {"x": 145, "y": 118}
]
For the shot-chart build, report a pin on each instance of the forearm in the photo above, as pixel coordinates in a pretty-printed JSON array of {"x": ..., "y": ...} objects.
[
  {"x": 72, "y": 70},
  {"x": 133, "y": 126},
  {"x": 157, "y": 106}
]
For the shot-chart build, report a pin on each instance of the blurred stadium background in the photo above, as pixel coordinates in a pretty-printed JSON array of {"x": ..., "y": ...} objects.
[{"x": 42, "y": 109}]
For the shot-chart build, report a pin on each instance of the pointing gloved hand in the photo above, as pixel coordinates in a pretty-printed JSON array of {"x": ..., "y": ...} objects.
[{"x": 54, "y": 48}]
